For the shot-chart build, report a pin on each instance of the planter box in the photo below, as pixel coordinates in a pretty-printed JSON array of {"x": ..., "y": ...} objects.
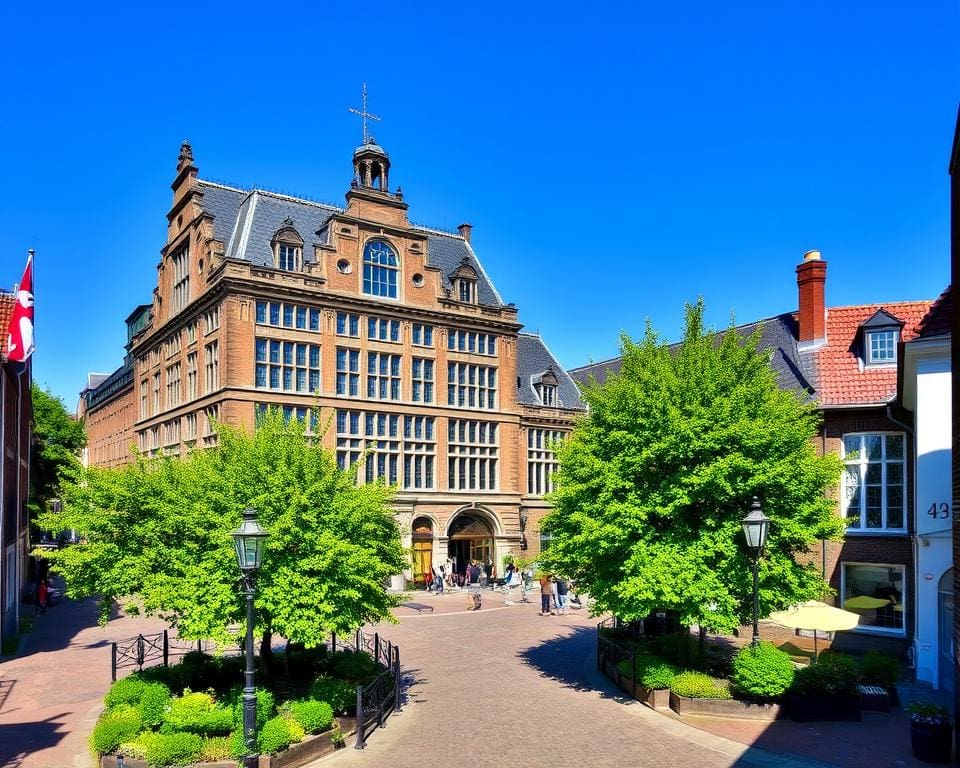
[
  {"x": 813, "y": 707},
  {"x": 931, "y": 743},
  {"x": 655, "y": 698},
  {"x": 745, "y": 710}
]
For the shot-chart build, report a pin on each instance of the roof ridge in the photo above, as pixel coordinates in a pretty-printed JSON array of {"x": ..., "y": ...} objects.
[
  {"x": 271, "y": 193},
  {"x": 881, "y": 304}
]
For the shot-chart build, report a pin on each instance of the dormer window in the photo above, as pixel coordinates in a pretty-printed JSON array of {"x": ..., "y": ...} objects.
[
  {"x": 881, "y": 333},
  {"x": 545, "y": 386},
  {"x": 464, "y": 279},
  {"x": 287, "y": 248}
]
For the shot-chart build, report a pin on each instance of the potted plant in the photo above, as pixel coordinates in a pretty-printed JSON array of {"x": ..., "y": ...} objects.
[{"x": 931, "y": 732}]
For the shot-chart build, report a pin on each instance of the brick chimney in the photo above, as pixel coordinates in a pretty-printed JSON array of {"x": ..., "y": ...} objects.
[
  {"x": 465, "y": 230},
  {"x": 812, "y": 317}
]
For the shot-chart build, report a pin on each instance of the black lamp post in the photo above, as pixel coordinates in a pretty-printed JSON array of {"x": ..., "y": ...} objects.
[
  {"x": 755, "y": 528},
  {"x": 524, "y": 516},
  {"x": 250, "y": 541}
]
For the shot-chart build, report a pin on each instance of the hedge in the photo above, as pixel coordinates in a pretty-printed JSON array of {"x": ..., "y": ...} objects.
[
  {"x": 762, "y": 671},
  {"x": 697, "y": 685}
]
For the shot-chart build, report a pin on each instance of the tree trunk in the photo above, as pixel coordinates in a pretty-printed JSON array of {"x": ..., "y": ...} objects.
[
  {"x": 701, "y": 640},
  {"x": 266, "y": 654}
]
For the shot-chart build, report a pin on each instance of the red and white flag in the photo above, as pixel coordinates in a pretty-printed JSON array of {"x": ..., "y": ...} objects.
[{"x": 20, "y": 333}]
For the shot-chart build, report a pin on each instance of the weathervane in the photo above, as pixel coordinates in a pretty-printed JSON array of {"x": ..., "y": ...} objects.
[{"x": 364, "y": 114}]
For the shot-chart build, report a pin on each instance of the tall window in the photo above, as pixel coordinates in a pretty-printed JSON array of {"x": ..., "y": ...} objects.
[
  {"x": 383, "y": 376},
  {"x": 211, "y": 358},
  {"x": 422, "y": 335},
  {"x": 181, "y": 278},
  {"x": 190, "y": 426},
  {"x": 382, "y": 329},
  {"x": 144, "y": 398},
  {"x": 419, "y": 448},
  {"x": 541, "y": 461},
  {"x": 422, "y": 391},
  {"x": 348, "y": 371},
  {"x": 191, "y": 375},
  {"x": 288, "y": 257},
  {"x": 876, "y": 592},
  {"x": 156, "y": 393},
  {"x": 377, "y": 438},
  {"x": 472, "y": 455},
  {"x": 348, "y": 324},
  {"x": 287, "y": 365},
  {"x": 173, "y": 385},
  {"x": 211, "y": 320},
  {"x": 471, "y": 341},
  {"x": 380, "y": 267},
  {"x": 467, "y": 290},
  {"x": 284, "y": 315},
  {"x": 471, "y": 386},
  {"x": 882, "y": 347},
  {"x": 873, "y": 482},
  {"x": 547, "y": 393}
]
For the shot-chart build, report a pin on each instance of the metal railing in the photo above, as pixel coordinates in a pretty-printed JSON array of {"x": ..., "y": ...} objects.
[
  {"x": 379, "y": 699},
  {"x": 145, "y": 650}
]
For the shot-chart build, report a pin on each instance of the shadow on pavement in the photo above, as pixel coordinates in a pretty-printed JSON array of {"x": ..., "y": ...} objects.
[
  {"x": 410, "y": 686},
  {"x": 18, "y": 740},
  {"x": 561, "y": 658}
]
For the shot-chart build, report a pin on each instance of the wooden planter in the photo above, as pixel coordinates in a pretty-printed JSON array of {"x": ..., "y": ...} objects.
[
  {"x": 745, "y": 710},
  {"x": 655, "y": 698},
  {"x": 813, "y": 707},
  {"x": 931, "y": 743}
]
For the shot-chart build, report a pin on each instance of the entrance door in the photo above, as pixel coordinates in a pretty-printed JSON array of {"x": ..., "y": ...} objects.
[
  {"x": 945, "y": 630},
  {"x": 470, "y": 539},
  {"x": 422, "y": 550}
]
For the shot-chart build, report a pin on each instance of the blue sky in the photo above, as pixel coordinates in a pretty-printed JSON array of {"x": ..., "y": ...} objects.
[{"x": 616, "y": 160}]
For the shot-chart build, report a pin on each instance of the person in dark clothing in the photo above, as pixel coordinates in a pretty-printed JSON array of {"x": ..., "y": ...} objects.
[
  {"x": 562, "y": 589},
  {"x": 473, "y": 575}
]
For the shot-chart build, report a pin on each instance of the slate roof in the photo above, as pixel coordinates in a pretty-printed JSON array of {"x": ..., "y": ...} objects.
[
  {"x": 938, "y": 321},
  {"x": 778, "y": 335},
  {"x": 246, "y": 221},
  {"x": 842, "y": 377},
  {"x": 533, "y": 359}
]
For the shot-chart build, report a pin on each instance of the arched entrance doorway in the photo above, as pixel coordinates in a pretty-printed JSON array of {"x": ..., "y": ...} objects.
[
  {"x": 945, "y": 630},
  {"x": 471, "y": 538},
  {"x": 422, "y": 536}
]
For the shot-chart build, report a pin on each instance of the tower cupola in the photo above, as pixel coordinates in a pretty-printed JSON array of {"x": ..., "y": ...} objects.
[{"x": 371, "y": 166}]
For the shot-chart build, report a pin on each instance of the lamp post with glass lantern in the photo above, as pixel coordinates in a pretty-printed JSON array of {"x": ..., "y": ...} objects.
[
  {"x": 250, "y": 542},
  {"x": 755, "y": 528}
]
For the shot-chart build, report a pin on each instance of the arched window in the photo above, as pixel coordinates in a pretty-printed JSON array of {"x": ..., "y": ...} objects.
[
  {"x": 287, "y": 248},
  {"x": 380, "y": 270}
]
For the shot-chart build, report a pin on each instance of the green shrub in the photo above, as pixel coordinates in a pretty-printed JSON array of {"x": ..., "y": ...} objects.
[
  {"x": 877, "y": 668},
  {"x": 305, "y": 662},
  {"x": 164, "y": 749},
  {"x": 133, "y": 749},
  {"x": 340, "y": 695},
  {"x": 658, "y": 674},
  {"x": 127, "y": 690},
  {"x": 762, "y": 671},
  {"x": 357, "y": 667},
  {"x": 275, "y": 736},
  {"x": 154, "y": 701},
  {"x": 216, "y": 748},
  {"x": 697, "y": 685},
  {"x": 296, "y": 730},
  {"x": 174, "y": 677},
  {"x": 114, "y": 727},
  {"x": 834, "y": 674},
  {"x": 265, "y": 706},
  {"x": 197, "y": 713},
  {"x": 237, "y": 746},
  {"x": 314, "y": 716}
]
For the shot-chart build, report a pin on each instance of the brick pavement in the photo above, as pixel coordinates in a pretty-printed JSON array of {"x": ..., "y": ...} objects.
[{"x": 51, "y": 693}]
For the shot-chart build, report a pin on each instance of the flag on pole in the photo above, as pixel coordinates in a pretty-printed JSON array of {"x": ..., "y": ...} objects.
[{"x": 20, "y": 333}]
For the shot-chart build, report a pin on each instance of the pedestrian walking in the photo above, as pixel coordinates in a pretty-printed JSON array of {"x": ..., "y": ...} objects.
[
  {"x": 562, "y": 589},
  {"x": 511, "y": 581},
  {"x": 438, "y": 576},
  {"x": 546, "y": 592},
  {"x": 42, "y": 593},
  {"x": 473, "y": 576},
  {"x": 553, "y": 594}
]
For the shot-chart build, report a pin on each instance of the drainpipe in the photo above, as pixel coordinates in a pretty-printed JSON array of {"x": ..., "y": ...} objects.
[{"x": 915, "y": 542}]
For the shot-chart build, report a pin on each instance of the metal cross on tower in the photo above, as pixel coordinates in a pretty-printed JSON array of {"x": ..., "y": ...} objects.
[{"x": 364, "y": 114}]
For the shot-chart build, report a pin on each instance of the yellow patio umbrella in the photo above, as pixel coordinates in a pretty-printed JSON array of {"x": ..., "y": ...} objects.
[
  {"x": 865, "y": 603},
  {"x": 814, "y": 615}
]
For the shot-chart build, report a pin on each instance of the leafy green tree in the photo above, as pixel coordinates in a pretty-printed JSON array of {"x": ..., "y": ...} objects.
[
  {"x": 159, "y": 530},
  {"x": 656, "y": 479},
  {"x": 57, "y": 441}
]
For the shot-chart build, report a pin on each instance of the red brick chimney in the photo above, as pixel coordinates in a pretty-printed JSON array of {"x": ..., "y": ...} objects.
[
  {"x": 812, "y": 317},
  {"x": 465, "y": 230}
]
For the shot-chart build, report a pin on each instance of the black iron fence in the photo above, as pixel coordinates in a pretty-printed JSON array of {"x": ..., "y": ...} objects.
[
  {"x": 378, "y": 700},
  {"x": 148, "y": 650}
]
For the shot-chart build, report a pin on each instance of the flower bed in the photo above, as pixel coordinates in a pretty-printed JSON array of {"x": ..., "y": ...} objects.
[{"x": 157, "y": 718}]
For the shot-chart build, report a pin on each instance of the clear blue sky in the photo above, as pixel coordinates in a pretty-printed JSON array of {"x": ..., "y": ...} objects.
[{"x": 616, "y": 160}]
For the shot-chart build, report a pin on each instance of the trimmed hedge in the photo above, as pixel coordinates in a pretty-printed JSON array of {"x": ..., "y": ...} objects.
[
  {"x": 877, "y": 668},
  {"x": 197, "y": 713},
  {"x": 277, "y": 734},
  {"x": 127, "y": 690},
  {"x": 834, "y": 674},
  {"x": 762, "y": 671},
  {"x": 216, "y": 748},
  {"x": 164, "y": 749},
  {"x": 265, "y": 706},
  {"x": 697, "y": 685},
  {"x": 314, "y": 716},
  {"x": 340, "y": 695},
  {"x": 153, "y": 704},
  {"x": 115, "y": 726}
]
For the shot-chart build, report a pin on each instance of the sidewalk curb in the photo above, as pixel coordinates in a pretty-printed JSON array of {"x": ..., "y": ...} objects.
[{"x": 743, "y": 753}]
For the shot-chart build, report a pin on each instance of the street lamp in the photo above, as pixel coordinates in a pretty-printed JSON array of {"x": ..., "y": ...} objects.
[
  {"x": 250, "y": 542},
  {"x": 755, "y": 528},
  {"x": 524, "y": 516}
]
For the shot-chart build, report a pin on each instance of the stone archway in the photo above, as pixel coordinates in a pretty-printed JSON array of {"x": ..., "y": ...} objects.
[
  {"x": 422, "y": 544},
  {"x": 470, "y": 536}
]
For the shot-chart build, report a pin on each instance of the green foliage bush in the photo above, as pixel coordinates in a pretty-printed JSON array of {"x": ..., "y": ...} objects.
[
  {"x": 834, "y": 674},
  {"x": 313, "y": 715},
  {"x": 197, "y": 713},
  {"x": 165, "y": 749},
  {"x": 340, "y": 695},
  {"x": 114, "y": 727},
  {"x": 697, "y": 685},
  {"x": 275, "y": 736},
  {"x": 266, "y": 705},
  {"x": 762, "y": 671},
  {"x": 133, "y": 749},
  {"x": 127, "y": 690},
  {"x": 877, "y": 668},
  {"x": 216, "y": 748},
  {"x": 658, "y": 674},
  {"x": 357, "y": 667},
  {"x": 153, "y": 703}
]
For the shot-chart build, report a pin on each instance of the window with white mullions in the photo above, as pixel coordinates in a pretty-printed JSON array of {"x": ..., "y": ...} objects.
[
  {"x": 873, "y": 482},
  {"x": 541, "y": 460},
  {"x": 383, "y": 376},
  {"x": 348, "y": 371},
  {"x": 882, "y": 346},
  {"x": 472, "y": 451},
  {"x": 380, "y": 267}
]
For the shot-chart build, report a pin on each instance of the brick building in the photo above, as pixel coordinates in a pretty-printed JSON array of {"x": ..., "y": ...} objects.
[
  {"x": 391, "y": 331},
  {"x": 845, "y": 359}
]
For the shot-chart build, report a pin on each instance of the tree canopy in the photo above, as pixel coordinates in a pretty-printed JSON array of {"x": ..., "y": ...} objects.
[
  {"x": 655, "y": 480},
  {"x": 57, "y": 441},
  {"x": 160, "y": 530}
]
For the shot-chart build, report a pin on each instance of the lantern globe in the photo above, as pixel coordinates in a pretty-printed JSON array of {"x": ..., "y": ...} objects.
[
  {"x": 756, "y": 526},
  {"x": 250, "y": 541}
]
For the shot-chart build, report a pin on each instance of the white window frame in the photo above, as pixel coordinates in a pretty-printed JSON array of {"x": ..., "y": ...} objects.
[
  {"x": 868, "y": 629},
  {"x": 862, "y": 463},
  {"x": 870, "y": 335},
  {"x": 181, "y": 278}
]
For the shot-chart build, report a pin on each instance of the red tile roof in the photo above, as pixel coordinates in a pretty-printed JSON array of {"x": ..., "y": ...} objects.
[
  {"x": 7, "y": 301},
  {"x": 841, "y": 377},
  {"x": 937, "y": 321}
]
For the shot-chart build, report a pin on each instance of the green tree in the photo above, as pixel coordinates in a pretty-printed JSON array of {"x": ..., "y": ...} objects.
[
  {"x": 55, "y": 449},
  {"x": 160, "y": 530},
  {"x": 655, "y": 481}
]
